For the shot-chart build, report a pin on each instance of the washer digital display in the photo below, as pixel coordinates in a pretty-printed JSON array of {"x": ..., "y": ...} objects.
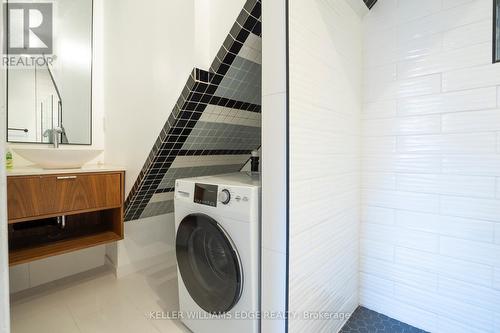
[{"x": 205, "y": 194}]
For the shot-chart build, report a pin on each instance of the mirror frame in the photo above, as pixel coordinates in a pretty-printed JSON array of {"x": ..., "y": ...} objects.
[
  {"x": 496, "y": 6},
  {"x": 91, "y": 120}
]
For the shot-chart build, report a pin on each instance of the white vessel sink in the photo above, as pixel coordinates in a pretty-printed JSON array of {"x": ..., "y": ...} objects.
[{"x": 60, "y": 158}]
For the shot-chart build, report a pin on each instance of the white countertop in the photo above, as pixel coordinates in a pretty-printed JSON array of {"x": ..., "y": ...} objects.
[{"x": 34, "y": 171}]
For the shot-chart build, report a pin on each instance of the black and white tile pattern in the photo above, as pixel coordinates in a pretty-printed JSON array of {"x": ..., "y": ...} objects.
[
  {"x": 370, "y": 3},
  {"x": 214, "y": 125},
  {"x": 368, "y": 321}
]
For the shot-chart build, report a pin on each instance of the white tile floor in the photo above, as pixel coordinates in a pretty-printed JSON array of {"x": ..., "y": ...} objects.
[{"x": 96, "y": 302}]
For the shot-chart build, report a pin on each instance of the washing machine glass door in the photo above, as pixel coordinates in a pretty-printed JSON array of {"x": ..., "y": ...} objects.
[{"x": 209, "y": 264}]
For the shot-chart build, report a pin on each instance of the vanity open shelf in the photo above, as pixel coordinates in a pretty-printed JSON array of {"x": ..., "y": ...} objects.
[{"x": 53, "y": 214}]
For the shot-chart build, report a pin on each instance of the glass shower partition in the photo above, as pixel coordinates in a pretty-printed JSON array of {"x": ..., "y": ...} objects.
[{"x": 48, "y": 103}]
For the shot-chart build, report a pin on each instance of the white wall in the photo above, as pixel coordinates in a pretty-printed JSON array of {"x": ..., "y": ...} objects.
[
  {"x": 213, "y": 20},
  {"x": 4, "y": 275},
  {"x": 223, "y": 14},
  {"x": 148, "y": 57},
  {"x": 325, "y": 107},
  {"x": 202, "y": 34},
  {"x": 4, "y": 270},
  {"x": 430, "y": 239},
  {"x": 273, "y": 164},
  {"x": 143, "y": 79}
]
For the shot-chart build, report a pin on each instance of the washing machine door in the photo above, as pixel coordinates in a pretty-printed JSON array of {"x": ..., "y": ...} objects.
[{"x": 208, "y": 263}]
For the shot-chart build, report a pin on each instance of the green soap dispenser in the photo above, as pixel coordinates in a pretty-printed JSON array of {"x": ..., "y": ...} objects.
[{"x": 9, "y": 161}]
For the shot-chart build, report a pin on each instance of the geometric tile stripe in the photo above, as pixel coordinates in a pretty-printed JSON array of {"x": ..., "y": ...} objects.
[
  {"x": 173, "y": 174},
  {"x": 214, "y": 136},
  {"x": 368, "y": 321},
  {"x": 233, "y": 82},
  {"x": 370, "y": 3}
]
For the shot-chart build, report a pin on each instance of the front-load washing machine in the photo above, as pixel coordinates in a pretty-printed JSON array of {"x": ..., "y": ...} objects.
[{"x": 217, "y": 223}]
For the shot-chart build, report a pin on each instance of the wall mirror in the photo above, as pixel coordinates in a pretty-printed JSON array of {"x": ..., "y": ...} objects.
[
  {"x": 496, "y": 31},
  {"x": 49, "y": 71}
]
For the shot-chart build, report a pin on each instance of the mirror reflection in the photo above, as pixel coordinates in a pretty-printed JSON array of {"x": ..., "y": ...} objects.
[{"x": 49, "y": 79}]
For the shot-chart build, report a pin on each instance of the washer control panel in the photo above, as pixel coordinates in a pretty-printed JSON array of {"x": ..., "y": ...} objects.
[
  {"x": 224, "y": 196},
  {"x": 205, "y": 194},
  {"x": 238, "y": 202}
]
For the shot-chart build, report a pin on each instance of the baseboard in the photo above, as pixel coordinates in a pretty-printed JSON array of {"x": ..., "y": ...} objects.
[
  {"x": 62, "y": 283},
  {"x": 165, "y": 259}
]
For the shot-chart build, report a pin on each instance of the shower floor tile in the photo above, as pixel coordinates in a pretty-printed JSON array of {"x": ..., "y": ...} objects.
[{"x": 368, "y": 321}]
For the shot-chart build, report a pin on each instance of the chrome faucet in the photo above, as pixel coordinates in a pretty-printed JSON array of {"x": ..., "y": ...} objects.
[{"x": 53, "y": 134}]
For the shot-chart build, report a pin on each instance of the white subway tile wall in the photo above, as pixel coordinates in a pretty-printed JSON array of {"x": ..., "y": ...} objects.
[
  {"x": 325, "y": 108},
  {"x": 430, "y": 220}
]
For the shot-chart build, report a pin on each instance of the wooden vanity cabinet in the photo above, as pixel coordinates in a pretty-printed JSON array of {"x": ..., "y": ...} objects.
[
  {"x": 91, "y": 204},
  {"x": 30, "y": 196}
]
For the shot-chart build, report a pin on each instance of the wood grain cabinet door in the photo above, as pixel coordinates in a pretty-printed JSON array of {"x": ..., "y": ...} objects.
[
  {"x": 84, "y": 192},
  {"x": 30, "y": 197},
  {"x": 59, "y": 194}
]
